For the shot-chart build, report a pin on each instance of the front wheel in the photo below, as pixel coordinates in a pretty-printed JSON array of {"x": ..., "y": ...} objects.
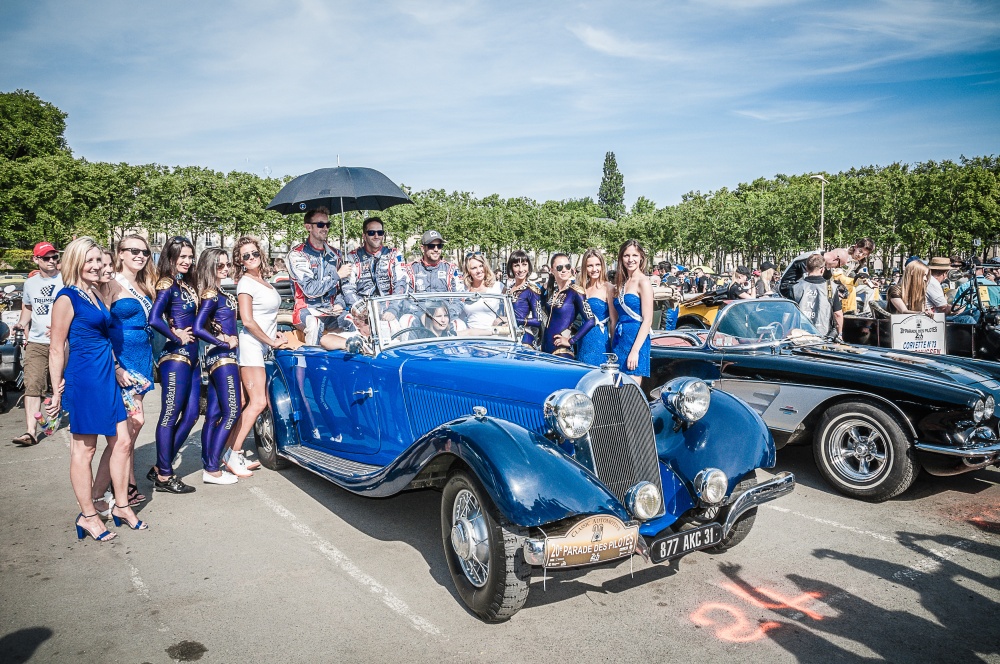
[
  {"x": 267, "y": 446},
  {"x": 483, "y": 552},
  {"x": 863, "y": 452},
  {"x": 743, "y": 525}
]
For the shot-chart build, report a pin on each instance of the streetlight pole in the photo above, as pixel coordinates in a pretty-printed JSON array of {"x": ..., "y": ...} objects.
[{"x": 822, "y": 205}]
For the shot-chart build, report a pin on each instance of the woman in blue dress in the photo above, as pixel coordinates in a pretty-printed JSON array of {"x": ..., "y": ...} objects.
[
  {"x": 526, "y": 297},
  {"x": 91, "y": 393},
  {"x": 600, "y": 293},
  {"x": 634, "y": 306}
]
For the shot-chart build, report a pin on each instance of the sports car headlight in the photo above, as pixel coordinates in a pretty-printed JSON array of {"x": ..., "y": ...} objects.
[
  {"x": 687, "y": 398},
  {"x": 979, "y": 410},
  {"x": 643, "y": 500},
  {"x": 711, "y": 485},
  {"x": 569, "y": 412},
  {"x": 991, "y": 405}
]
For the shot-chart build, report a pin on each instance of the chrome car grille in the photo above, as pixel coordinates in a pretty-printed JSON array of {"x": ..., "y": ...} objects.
[{"x": 621, "y": 440}]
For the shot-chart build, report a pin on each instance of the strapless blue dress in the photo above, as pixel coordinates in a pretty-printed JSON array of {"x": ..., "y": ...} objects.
[
  {"x": 625, "y": 334},
  {"x": 594, "y": 344},
  {"x": 131, "y": 338}
]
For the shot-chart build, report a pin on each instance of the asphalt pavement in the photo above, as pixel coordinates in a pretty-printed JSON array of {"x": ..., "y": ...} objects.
[{"x": 285, "y": 567}]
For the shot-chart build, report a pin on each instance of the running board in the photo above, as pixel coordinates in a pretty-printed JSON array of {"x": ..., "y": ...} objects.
[{"x": 313, "y": 459}]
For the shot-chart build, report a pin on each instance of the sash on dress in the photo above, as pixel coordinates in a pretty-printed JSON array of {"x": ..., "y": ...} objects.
[
  {"x": 627, "y": 309},
  {"x": 147, "y": 304}
]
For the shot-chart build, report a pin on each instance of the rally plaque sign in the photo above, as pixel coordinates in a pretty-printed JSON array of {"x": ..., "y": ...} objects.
[
  {"x": 593, "y": 540},
  {"x": 919, "y": 333}
]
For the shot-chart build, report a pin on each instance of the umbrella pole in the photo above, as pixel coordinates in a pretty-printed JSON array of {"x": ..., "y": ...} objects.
[{"x": 343, "y": 224}]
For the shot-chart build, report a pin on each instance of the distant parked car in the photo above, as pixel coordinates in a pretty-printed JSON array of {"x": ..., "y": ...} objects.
[{"x": 543, "y": 462}]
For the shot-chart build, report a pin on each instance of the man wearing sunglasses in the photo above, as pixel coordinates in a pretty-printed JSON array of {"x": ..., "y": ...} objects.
[
  {"x": 40, "y": 292},
  {"x": 430, "y": 274},
  {"x": 315, "y": 270},
  {"x": 376, "y": 270}
]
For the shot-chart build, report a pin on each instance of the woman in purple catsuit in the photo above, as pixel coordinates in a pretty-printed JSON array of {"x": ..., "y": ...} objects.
[
  {"x": 216, "y": 325},
  {"x": 173, "y": 315},
  {"x": 527, "y": 297},
  {"x": 564, "y": 301}
]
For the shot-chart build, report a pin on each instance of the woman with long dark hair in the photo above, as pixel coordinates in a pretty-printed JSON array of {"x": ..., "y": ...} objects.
[
  {"x": 600, "y": 294},
  {"x": 564, "y": 302},
  {"x": 634, "y": 306},
  {"x": 216, "y": 325},
  {"x": 173, "y": 315},
  {"x": 526, "y": 296}
]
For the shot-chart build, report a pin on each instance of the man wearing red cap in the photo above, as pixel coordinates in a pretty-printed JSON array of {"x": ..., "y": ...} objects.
[{"x": 39, "y": 292}]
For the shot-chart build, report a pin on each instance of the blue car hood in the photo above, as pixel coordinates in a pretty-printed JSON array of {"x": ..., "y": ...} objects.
[{"x": 496, "y": 370}]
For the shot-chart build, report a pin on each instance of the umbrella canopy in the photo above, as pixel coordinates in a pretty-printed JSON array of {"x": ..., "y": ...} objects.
[
  {"x": 704, "y": 268},
  {"x": 339, "y": 189}
]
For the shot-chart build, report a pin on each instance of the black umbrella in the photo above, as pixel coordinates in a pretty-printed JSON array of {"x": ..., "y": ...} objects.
[{"x": 339, "y": 189}]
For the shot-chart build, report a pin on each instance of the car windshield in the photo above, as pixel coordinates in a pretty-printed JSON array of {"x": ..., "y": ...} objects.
[
  {"x": 421, "y": 317},
  {"x": 762, "y": 322}
]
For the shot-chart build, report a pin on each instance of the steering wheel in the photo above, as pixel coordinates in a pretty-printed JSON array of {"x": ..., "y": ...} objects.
[{"x": 776, "y": 330}]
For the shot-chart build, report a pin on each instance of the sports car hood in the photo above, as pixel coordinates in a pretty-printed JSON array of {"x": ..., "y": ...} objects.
[
  {"x": 497, "y": 370},
  {"x": 973, "y": 374}
]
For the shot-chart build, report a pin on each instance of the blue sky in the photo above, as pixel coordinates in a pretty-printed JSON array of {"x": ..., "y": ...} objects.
[{"x": 515, "y": 98}]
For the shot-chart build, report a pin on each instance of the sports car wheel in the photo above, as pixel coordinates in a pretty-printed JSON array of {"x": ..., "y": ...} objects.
[
  {"x": 742, "y": 527},
  {"x": 482, "y": 550},
  {"x": 863, "y": 452},
  {"x": 267, "y": 446}
]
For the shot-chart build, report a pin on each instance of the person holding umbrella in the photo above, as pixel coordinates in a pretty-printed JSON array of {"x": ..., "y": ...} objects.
[
  {"x": 315, "y": 270},
  {"x": 376, "y": 270}
]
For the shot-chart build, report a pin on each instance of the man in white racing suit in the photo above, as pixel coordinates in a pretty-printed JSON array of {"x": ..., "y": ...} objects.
[{"x": 316, "y": 270}]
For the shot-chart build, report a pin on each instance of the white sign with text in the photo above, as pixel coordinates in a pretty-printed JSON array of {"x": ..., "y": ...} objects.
[{"x": 919, "y": 333}]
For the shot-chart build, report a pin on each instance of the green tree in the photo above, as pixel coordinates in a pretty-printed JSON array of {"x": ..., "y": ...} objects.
[
  {"x": 611, "y": 195},
  {"x": 30, "y": 127}
]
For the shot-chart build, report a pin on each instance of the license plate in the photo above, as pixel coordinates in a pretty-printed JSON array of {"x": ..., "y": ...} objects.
[{"x": 673, "y": 546}]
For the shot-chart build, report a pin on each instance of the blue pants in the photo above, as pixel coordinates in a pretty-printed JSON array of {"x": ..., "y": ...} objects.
[
  {"x": 223, "y": 409},
  {"x": 180, "y": 378}
]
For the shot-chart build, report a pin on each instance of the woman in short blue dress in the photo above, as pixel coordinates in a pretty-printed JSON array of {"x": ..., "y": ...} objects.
[
  {"x": 91, "y": 393},
  {"x": 634, "y": 306},
  {"x": 592, "y": 348}
]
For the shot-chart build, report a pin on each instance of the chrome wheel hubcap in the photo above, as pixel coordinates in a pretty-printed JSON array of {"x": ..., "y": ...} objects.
[
  {"x": 859, "y": 450},
  {"x": 470, "y": 538},
  {"x": 265, "y": 431}
]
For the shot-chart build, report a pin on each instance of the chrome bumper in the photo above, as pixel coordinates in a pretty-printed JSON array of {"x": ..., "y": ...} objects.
[
  {"x": 782, "y": 484},
  {"x": 985, "y": 444}
]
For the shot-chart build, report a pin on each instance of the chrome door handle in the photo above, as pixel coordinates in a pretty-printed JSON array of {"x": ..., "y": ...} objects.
[{"x": 365, "y": 393}]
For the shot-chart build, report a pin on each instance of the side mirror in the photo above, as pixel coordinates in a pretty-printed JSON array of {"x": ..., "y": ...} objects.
[{"x": 9, "y": 288}]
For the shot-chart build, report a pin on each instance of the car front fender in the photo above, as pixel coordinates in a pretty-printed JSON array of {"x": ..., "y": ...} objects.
[
  {"x": 529, "y": 479},
  {"x": 730, "y": 437},
  {"x": 281, "y": 406}
]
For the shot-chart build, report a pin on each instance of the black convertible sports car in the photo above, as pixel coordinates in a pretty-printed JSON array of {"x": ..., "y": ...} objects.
[{"x": 874, "y": 416}]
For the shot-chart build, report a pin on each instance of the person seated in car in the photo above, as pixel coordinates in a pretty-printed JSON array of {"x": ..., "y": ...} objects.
[
  {"x": 358, "y": 340},
  {"x": 435, "y": 320}
]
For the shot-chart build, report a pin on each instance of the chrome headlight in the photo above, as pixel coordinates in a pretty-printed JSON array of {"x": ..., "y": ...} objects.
[
  {"x": 570, "y": 413},
  {"x": 711, "y": 485},
  {"x": 991, "y": 405},
  {"x": 687, "y": 398},
  {"x": 979, "y": 411},
  {"x": 644, "y": 500}
]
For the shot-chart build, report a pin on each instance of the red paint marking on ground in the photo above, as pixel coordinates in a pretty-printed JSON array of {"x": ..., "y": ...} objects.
[
  {"x": 778, "y": 601},
  {"x": 740, "y": 631}
]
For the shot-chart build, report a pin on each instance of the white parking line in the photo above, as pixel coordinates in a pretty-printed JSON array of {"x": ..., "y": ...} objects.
[
  {"x": 828, "y": 522},
  {"x": 338, "y": 558},
  {"x": 932, "y": 563}
]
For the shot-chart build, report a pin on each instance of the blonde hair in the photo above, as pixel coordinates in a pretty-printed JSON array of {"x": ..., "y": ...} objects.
[
  {"x": 265, "y": 263},
  {"x": 147, "y": 276},
  {"x": 488, "y": 278},
  {"x": 75, "y": 257},
  {"x": 587, "y": 255},
  {"x": 914, "y": 285}
]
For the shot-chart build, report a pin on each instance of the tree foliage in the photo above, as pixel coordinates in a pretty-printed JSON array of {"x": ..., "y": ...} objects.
[
  {"x": 611, "y": 195},
  {"x": 30, "y": 127}
]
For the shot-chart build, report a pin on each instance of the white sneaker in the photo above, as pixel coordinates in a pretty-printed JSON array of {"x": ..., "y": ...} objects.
[
  {"x": 249, "y": 464},
  {"x": 224, "y": 478},
  {"x": 236, "y": 466}
]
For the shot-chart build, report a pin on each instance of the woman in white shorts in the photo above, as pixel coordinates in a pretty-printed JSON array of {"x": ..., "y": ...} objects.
[{"x": 258, "y": 303}]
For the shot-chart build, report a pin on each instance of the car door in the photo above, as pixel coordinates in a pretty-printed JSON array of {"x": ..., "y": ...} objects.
[{"x": 339, "y": 411}]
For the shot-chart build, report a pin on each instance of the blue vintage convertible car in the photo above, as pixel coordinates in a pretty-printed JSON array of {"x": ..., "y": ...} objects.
[{"x": 543, "y": 462}]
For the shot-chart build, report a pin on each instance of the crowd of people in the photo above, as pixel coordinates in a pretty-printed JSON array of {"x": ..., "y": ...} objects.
[{"x": 91, "y": 314}]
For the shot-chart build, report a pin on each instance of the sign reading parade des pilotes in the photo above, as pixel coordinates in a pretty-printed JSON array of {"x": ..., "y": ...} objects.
[{"x": 919, "y": 333}]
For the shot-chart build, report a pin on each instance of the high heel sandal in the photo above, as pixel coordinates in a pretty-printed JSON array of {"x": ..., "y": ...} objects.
[
  {"x": 82, "y": 532},
  {"x": 107, "y": 499},
  {"x": 134, "y": 497},
  {"x": 139, "y": 524}
]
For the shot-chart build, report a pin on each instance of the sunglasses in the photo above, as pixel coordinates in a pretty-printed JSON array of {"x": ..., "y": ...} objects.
[
  {"x": 222, "y": 266},
  {"x": 319, "y": 224},
  {"x": 473, "y": 254},
  {"x": 375, "y": 233},
  {"x": 135, "y": 252},
  {"x": 49, "y": 257},
  {"x": 436, "y": 245},
  {"x": 562, "y": 268},
  {"x": 252, "y": 254}
]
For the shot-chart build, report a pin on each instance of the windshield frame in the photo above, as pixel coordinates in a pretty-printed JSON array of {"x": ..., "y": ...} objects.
[
  {"x": 775, "y": 303},
  {"x": 378, "y": 305}
]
